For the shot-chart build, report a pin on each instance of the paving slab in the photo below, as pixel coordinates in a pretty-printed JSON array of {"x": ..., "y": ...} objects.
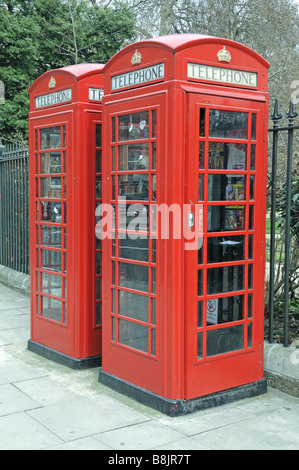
[
  {"x": 12, "y": 400},
  {"x": 20, "y": 431},
  {"x": 142, "y": 436},
  {"x": 83, "y": 417}
]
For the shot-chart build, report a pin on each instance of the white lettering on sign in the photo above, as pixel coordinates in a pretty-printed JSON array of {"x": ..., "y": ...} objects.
[
  {"x": 138, "y": 77},
  {"x": 223, "y": 75},
  {"x": 96, "y": 94},
  {"x": 57, "y": 97}
]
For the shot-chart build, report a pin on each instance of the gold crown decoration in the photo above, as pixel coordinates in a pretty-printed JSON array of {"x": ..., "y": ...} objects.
[
  {"x": 224, "y": 55},
  {"x": 136, "y": 58},
  {"x": 52, "y": 83}
]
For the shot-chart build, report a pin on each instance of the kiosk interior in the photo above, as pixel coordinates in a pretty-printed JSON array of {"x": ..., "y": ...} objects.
[
  {"x": 65, "y": 126},
  {"x": 184, "y": 171}
]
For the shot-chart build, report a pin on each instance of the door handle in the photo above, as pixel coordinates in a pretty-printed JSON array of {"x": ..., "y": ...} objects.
[{"x": 190, "y": 219}]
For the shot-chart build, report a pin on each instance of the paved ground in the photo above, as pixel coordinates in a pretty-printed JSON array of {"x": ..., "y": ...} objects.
[{"x": 47, "y": 406}]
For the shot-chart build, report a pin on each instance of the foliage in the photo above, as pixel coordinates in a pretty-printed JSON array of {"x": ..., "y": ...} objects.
[{"x": 40, "y": 35}]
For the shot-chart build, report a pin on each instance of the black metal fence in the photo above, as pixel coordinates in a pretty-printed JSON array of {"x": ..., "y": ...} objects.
[
  {"x": 14, "y": 207},
  {"x": 283, "y": 254}
]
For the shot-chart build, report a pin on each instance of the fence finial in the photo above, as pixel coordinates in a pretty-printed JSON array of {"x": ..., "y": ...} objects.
[
  {"x": 291, "y": 114},
  {"x": 276, "y": 115}
]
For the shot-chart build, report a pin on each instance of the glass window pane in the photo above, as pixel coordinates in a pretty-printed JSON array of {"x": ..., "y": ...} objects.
[
  {"x": 98, "y": 187},
  {"x": 133, "y": 276},
  {"x": 133, "y": 305},
  {"x": 200, "y": 187},
  {"x": 226, "y": 279},
  {"x": 153, "y": 311},
  {"x": 50, "y": 162},
  {"x": 252, "y": 157},
  {"x": 98, "y": 313},
  {"x": 154, "y": 123},
  {"x": 226, "y": 188},
  {"x": 199, "y": 345},
  {"x": 51, "y": 260},
  {"x": 230, "y": 124},
  {"x": 251, "y": 195},
  {"x": 133, "y": 217},
  {"x": 225, "y": 310},
  {"x": 50, "y": 138},
  {"x": 134, "y": 186},
  {"x": 51, "y": 284},
  {"x": 51, "y": 236},
  {"x": 227, "y": 156},
  {"x": 202, "y": 122},
  {"x": 98, "y": 135},
  {"x": 51, "y": 188},
  {"x": 133, "y": 126},
  {"x": 199, "y": 314},
  {"x": 222, "y": 249},
  {"x": 153, "y": 343},
  {"x": 226, "y": 218},
  {"x": 134, "y": 249},
  {"x": 134, "y": 157},
  {"x": 253, "y": 127},
  {"x": 201, "y": 155},
  {"x": 249, "y": 305},
  {"x": 98, "y": 161},
  {"x": 133, "y": 335},
  {"x": 249, "y": 335},
  {"x": 51, "y": 308},
  {"x": 225, "y": 340},
  {"x": 154, "y": 155}
]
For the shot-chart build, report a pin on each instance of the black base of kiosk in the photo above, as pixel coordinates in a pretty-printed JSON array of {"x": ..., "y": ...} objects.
[
  {"x": 63, "y": 359},
  {"x": 181, "y": 407}
]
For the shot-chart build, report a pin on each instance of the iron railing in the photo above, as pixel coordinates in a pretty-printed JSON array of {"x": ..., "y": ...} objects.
[
  {"x": 280, "y": 277},
  {"x": 14, "y": 207}
]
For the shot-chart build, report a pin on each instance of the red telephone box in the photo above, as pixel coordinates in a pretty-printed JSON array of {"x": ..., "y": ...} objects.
[
  {"x": 184, "y": 171},
  {"x": 65, "y": 126}
]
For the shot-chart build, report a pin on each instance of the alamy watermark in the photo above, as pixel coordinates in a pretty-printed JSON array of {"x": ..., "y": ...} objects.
[
  {"x": 2, "y": 93},
  {"x": 154, "y": 220}
]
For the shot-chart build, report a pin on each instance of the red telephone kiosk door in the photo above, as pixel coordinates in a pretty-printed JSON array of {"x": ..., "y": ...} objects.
[
  {"x": 130, "y": 262},
  {"x": 224, "y": 277},
  {"x": 52, "y": 142}
]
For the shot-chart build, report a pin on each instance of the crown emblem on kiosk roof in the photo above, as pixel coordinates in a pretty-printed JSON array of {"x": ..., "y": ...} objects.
[
  {"x": 136, "y": 58},
  {"x": 52, "y": 83},
  {"x": 224, "y": 55}
]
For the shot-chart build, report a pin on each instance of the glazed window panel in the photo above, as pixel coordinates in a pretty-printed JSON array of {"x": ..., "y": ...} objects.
[
  {"x": 51, "y": 236},
  {"x": 133, "y": 126},
  {"x": 50, "y": 138},
  {"x": 50, "y": 162},
  {"x": 133, "y": 305},
  {"x": 226, "y": 187},
  {"x": 228, "y": 124},
  {"x": 226, "y": 279},
  {"x": 225, "y": 249},
  {"x": 227, "y": 156},
  {"x": 133, "y": 276},
  {"x": 135, "y": 249},
  {"x": 51, "y": 188},
  {"x": 134, "y": 157},
  {"x": 225, "y": 340},
  {"x": 133, "y": 335},
  {"x": 134, "y": 187}
]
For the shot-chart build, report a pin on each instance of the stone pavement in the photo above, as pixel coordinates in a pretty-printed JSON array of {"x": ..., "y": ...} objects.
[{"x": 46, "y": 406}]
